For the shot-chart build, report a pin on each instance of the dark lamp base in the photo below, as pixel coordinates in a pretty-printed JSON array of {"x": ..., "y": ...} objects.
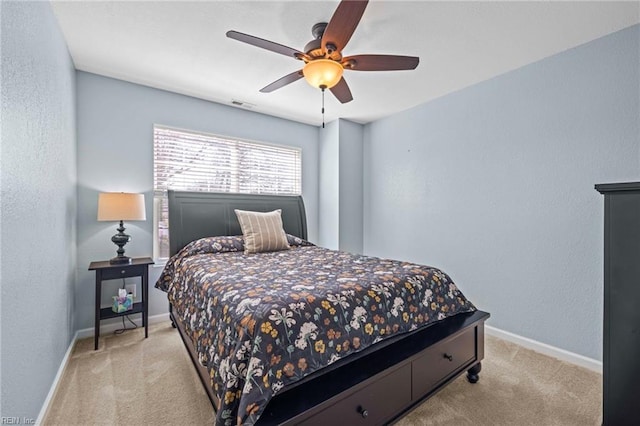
[
  {"x": 120, "y": 260},
  {"x": 120, "y": 239}
]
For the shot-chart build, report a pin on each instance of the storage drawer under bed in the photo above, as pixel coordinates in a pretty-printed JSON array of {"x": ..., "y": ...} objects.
[
  {"x": 381, "y": 400},
  {"x": 374, "y": 404},
  {"x": 440, "y": 361}
]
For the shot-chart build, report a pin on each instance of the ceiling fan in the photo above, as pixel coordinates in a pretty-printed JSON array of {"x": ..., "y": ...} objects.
[{"x": 324, "y": 63}]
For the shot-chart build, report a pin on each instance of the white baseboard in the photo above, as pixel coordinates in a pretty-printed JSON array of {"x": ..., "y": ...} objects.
[
  {"x": 54, "y": 385},
  {"x": 110, "y": 327},
  {"x": 543, "y": 348},
  {"x": 80, "y": 334}
]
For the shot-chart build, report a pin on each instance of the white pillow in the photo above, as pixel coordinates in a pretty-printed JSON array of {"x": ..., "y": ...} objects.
[{"x": 262, "y": 231}]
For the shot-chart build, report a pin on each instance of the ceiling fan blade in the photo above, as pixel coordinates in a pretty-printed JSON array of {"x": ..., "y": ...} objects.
[
  {"x": 380, "y": 62},
  {"x": 342, "y": 24},
  {"x": 342, "y": 91},
  {"x": 266, "y": 44},
  {"x": 287, "y": 79}
]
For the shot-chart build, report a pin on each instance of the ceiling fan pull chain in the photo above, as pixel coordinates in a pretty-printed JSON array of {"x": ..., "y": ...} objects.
[{"x": 322, "y": 88}]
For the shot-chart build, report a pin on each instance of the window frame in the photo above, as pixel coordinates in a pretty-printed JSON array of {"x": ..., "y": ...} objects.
[{"x": 157, "y": 205}]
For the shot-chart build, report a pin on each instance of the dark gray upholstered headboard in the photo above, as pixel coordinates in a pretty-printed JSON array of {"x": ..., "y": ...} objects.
[{"x": 194, "y": 215}]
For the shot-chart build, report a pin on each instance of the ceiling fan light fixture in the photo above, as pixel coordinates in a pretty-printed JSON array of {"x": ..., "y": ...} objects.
[
  {"x": 322, "y": 73},
  {"x": 324, "y": 62}
]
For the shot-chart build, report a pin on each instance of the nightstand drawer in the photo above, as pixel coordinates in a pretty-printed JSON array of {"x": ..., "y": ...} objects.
[
  {"x": 123, "y": 271},
  {"x": 441, "y": 361}
]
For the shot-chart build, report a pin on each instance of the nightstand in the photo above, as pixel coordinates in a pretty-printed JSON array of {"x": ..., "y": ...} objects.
[{"x": 139, "y": 267}]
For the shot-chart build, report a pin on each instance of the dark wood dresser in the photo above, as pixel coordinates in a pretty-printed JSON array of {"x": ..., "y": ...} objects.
[{"x": 621, "y": 355}]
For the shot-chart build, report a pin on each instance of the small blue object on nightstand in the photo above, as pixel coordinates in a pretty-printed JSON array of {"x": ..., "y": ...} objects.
[{"x": 122, "y": 303}]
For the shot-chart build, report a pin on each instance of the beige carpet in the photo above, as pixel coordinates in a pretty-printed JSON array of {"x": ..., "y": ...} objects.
[{"x": 132, "y": 380}]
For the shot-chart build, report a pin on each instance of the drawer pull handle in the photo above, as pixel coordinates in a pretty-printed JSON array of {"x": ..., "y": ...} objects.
[
  {"x": 123, "y": 271},
  {"x": 449, "y": 357},
  {"x": 364, "y": 413}
]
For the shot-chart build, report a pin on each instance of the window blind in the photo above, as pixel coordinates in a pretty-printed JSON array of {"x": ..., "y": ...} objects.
[{"x": 192, "y": 161}]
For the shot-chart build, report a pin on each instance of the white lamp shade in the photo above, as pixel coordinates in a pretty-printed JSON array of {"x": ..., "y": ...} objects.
[{"x": 114, "y": 206}]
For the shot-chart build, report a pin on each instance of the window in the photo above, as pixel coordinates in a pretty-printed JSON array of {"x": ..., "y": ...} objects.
[{"x": 190, "y": 161}]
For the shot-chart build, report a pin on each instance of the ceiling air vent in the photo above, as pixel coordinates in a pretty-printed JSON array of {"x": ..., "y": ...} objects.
[{"x": 242, "y": 104}]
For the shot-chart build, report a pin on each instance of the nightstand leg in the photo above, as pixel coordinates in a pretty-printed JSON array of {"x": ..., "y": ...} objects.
[
  {"x": 145, "y": 302},
  {"x": 96, "y": 331}
]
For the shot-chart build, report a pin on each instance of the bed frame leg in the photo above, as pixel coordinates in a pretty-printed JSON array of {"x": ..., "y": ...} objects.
[
  {"x": 472, "y": 373},
  {"x": 173, "y": 323}
]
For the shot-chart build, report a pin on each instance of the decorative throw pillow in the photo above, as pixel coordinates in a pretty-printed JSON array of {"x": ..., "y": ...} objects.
[{"x": 262, "y": 231}]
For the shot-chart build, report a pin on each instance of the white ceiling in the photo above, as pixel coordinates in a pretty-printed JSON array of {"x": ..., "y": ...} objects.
[{"x": 182, "y": 47}]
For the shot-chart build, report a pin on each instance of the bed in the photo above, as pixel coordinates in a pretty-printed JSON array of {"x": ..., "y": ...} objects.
[{"x": 401, "y": 358}]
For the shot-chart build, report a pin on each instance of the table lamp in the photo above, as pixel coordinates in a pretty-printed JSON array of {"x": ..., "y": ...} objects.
[{"x": 120, "y": 206}]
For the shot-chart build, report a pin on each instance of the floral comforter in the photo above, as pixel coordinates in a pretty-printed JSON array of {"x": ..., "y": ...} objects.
[{"x": 262, "y": 321}]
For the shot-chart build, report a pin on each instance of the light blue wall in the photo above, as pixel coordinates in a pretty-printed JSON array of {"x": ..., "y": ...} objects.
[
  {"x": 494, "y": 184},
  {"x": 37, "y": 204},
  {"x": 351, "y": 138},
  {"x": 115, "y": 153},
  {"x": 341, "y": 186},
  {"x": 329, "y": 181}
]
